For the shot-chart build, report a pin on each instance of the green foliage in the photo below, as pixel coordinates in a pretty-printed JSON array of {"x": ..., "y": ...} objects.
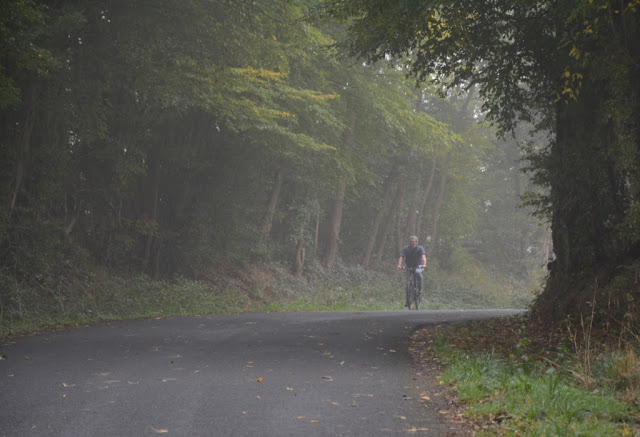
[
  {"x": 541, "y": 64},
  {"x": 510, "y": 398},
  {"x": 143, "y": 138}
]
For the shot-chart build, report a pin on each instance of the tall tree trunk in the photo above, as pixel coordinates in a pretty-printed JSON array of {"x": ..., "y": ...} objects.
[
  {"x": 425, "y": 195},
  {"x": 412, "y": 216},
  {"x": 298, "y": 262},
  {"x": 373, "y": 236},
  {"x": 317, "y": 233},
  {"x": 77, "y": 207},
  {"x": 438, "y": 206},
  {"x": 271, "y": 207},
  {"x": 335, "y": 220},
  {"x": 397, "y": 224},
  {"x": 335, "y": 217},
  {"x": 154, "y": 204},
  {"x": 25, "y": 142},
  {"x": 395, "y": 206}
]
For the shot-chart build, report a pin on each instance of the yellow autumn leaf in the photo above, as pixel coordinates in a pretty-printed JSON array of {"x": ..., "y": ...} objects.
[
  {"x": 159, "y": 431},
  {"x": 259, "y": 379}
]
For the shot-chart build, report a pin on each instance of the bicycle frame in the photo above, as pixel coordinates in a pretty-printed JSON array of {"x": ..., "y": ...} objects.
[{"x": 414, "y": 292}]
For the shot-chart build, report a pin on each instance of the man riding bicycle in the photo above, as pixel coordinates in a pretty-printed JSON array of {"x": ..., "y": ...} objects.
[{"x": 416, "y": 259}]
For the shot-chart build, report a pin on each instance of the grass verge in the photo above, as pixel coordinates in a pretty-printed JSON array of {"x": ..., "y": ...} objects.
[
  {"x": 81, "y": 298},
  {"x": 512, "y": 386}
]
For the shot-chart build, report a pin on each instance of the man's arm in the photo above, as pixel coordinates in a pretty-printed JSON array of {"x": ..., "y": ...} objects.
[
  {"x": 400, "y": 260},
  {"x": 424, "y": 260}
]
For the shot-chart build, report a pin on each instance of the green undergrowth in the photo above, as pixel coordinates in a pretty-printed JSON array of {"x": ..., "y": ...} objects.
[
  {"x": 71, "y": 299},
  {"x": 512, "y": 390}
]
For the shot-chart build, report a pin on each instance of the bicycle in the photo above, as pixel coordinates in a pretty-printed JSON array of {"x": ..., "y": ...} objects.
[{"x": 415, "y": 294}]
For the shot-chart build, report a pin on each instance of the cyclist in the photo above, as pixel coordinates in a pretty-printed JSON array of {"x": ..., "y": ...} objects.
[{"x": 416, "y": 257}]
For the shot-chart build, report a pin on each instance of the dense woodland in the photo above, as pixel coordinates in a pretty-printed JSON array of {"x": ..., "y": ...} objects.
[{"x": 169, "y": 137}]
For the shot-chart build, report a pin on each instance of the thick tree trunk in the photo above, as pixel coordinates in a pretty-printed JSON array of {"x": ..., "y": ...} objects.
[
  {"x": 25, "y": 143},
  {"x": 335, "y": 220},
  {"x": 438, "y": 206},
  {"x": 373, "y": 235},
  {"x": 271, "y": 208}
]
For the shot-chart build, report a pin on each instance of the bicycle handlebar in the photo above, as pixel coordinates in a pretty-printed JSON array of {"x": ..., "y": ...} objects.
[{"x": 412, "y": 268}]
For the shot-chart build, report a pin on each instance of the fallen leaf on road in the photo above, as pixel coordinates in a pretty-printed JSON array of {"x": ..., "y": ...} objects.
[
  {"x": 289, "y": 389},
  {"x": 259, "y": 379},
  {"x": 327, "y": 378},
  {"x": 414, "y": 429},
  {"x": 159, "y": 431},
  {"x": 300, "y": 417},
  {"x": 314, "y": 421}
]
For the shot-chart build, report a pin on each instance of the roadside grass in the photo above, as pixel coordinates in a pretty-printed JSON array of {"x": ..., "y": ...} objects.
[
  {"x": 99, "y": 296},
  {"x": 511, "y": 388}
]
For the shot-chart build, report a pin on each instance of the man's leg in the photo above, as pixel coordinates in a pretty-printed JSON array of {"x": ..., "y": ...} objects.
[
  {"x": 419, "y": 283},
  {"x": 407, "y": 290}
]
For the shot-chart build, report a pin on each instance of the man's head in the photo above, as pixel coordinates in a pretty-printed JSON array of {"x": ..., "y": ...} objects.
[{"x": 413, "y": 241}]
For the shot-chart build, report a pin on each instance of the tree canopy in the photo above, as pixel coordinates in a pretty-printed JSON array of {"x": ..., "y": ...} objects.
[{"x": 569, "y": 67}]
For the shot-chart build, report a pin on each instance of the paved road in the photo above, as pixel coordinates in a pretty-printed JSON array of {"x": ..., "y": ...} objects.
[{"x": 279, "y": 374}]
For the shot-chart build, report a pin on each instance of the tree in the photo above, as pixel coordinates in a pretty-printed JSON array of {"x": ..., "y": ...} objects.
[{"x": 536, "y": 62}]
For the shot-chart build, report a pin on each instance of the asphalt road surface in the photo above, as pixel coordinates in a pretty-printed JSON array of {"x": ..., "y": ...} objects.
[{"x": 277, "y": 374}]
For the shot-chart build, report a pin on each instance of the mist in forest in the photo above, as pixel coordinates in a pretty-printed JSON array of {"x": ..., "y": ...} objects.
[{"x": 183, "y": 139}]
